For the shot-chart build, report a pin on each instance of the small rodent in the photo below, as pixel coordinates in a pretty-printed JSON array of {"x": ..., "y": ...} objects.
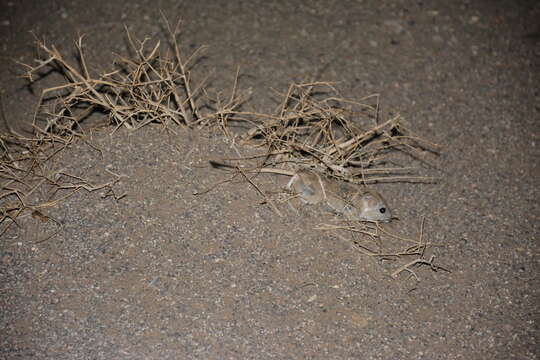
[
  {"x": 367, "y": 205},
  {"x": 312, "y": 188}
]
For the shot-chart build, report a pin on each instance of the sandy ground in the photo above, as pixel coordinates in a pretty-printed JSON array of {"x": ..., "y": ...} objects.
[{"x": 164, "y": 274}]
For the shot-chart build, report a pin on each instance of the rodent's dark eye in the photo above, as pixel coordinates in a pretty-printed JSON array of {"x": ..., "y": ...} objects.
[{"x": 382, "y": 210}]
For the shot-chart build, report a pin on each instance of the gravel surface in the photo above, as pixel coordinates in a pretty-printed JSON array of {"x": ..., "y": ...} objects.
[{"x": 164, "y": 274}]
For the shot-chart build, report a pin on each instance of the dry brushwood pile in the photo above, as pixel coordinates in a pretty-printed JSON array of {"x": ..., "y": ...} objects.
[{"x": 313, "y": 127}]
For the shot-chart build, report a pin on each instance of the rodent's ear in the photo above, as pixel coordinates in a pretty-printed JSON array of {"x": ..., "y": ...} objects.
[{"x": 370, "y": 200}]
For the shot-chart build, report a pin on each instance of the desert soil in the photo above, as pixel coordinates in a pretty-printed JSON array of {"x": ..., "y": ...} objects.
[{"x": 165, "y": 274}]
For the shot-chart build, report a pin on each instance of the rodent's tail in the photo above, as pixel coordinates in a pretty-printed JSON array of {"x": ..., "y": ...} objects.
[
  {"x": 228, "y": 167},
  {"x": 221, "y": 165}
]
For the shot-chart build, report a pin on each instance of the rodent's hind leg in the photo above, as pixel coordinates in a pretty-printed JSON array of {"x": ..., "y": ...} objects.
[{"x": 293, "y": 208}]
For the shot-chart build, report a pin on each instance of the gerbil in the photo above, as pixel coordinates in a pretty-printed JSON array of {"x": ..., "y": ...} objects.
[
  {"x": 365, "y": 205},
  {"x": 313, "y": 188}
]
